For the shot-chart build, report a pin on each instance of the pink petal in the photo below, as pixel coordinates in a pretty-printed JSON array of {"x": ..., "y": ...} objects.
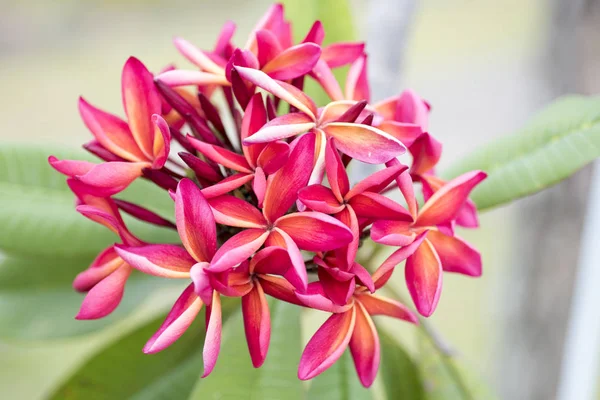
[
  {"x": 271, "y": 260},
  {"x": 162, "y": 142},
  {"x": 384, "y": 272},
  {"x": 455, "y": 254},
  {"x": 377, "y": 181},
  {"x": 376, "y": 305},
  {"x": 227, "y": 185},
  {"x": 141, "y": 100},
  {"x": 201, "y": 168},
  {"x": 278, "y": 89},
  {"x": 272, "y": 18},
  {"x": 224, "y": 39},
  {"x": 268, "y": 46},
  {"x": 195, "y": 221},
  {"x": 424, "y": 278},
  {"x": 283, "y": 127},
  {"x": 182, "y": 77},
  {"x": 259, "y": 185},
  {"x": 143, "y": 214},
  {"x": 110, "y": 178},
  {"x": 342, "y": 111},
  {"x": 203, "y": 285},
  {"x": 212, "y": 342},
  {"x": 364, "y": 346},
  {"x": 405, "y": 184},
  {"x": 392, "y": 233},
  {"x": 444, "y": 205},
  {"x": 110, "y": 131},
  {"x": 197, "y": 56},
  {"x": 376, "y": 206},
  {"x": 327, "y": 344},
  {"x": 103, "y": 265},
  {"x": 105, "y": 296},
  {"x": 279, "y": 288},
  {"x": 314, "y": 231},
  {"x": 297, "y": 276},
  {"x": 164, "y": 260},
  {"x": 255, "y": 117},
  {"x": 413, "y": 109},
  {"x": 283, "y": 186},
  {"x": 232, "y": 211},
  {"x": 467, "y": 216},
  {"x": 365, "y": 143},
  {"x": 320, "y": 198},
  {"x": 338, "y": 291},
  {"x": 357, "y": 84},
  {"x": 405, "y": 132},
  {"x": 221, "y": 156},
  {"x": 71, "y": 168},
  {"x": 336, "y": 172},
  {"x": 273, "y": 156},
  {"x": 314, "y": 297},
  {"x": 181, "y": 316},
  {"x": 257, "y": 324},
  {"x": 363, "y": 276},
  {"x": 342, "y": 53},
  {"x": 238, "y": 249},
  {"x": 324, "y": 76},
  {"x": 316, "y": 34},
  {"x": 293, "y": 62},
  {"x": 108, "y": 219},
  {"x": 348, "y": 252},
  {"x": 426, "y": 151},
  {"x": 318, "y": 171}
]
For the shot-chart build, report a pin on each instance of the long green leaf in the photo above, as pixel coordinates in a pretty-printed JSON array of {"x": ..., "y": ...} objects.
[
  {"x": 37, "y": 301},
  {"x": 234, "y": 377},
  {"x": 38, "y": 216},
  {"x": 122, "y": 371},
  {"x": 399, "y": 374},
  {"x": 339, "y": 382},
  {"x": 555, "y": 144}
]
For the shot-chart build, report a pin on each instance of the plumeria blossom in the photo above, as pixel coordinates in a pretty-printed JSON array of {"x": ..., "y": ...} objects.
[{"x": 263, "y": 204}]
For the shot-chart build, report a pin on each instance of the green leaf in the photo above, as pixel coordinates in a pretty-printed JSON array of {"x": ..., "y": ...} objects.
[
  {"x": 37, "y": 301},
  {"x": 399, "y": 374},
  {"x": 122, "y": 371},
  {"x": 38, "y": 216},
  {"x": 336, "y": 17},
  {"x": 339, "y": 382},
  {"x": 234, "y": 377},
  {"x": 445, "y": 377},
  {"x": 555, "y": 144}
]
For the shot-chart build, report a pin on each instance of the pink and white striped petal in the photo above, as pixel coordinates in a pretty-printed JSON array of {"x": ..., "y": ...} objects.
[
  {"x": 282, "y": 127},
  {"x": 364, "y": 347},
  {"x": 384, "y": 272},
  {"x": 105, "y": 296},
  {"x": 197, "y": 56},
  {"x": 257, "y": 324},
  {"x": 183, "y": 77},
  {"x": 161, "y": 145},
  {"x": 320, "y": 198},
  {"x": 293, "y": 62},
  {"x": 212, "y": 341},
  {"x": 163, "y": 260},
  {"x": 222, "y": 156},
  {"x": 103, "y": 265},
  {"x": 238, "y": 249},
  {"x": 314, "y": 231},
  {"x": 378, "y": 181},
  {"x": 342, "y": 53},
  {"x": 227, "y": 185},
  {"x": 376, "y": 305},
  {"x": 232, "y": 211}
]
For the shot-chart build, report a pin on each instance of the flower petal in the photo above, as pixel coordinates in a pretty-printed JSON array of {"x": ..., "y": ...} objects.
[
  {"x": 273, "y": 156},
  {"x": 444, "y": 205},
  {"x": 238, "y": 249},
  {"x": 376, "y": 305},
  {"x": 423, "y": 275},
  {"x": 255, "y": 117},
  {"x": 364, "y": 346},
  {"x": 376, "y": 206},
  {"x": 259, "y": 185},
  {"x": 314, "y": 231},
  {"x": 365, "y": 143},
  {"x": 455, "y": 254},
  {"x": 283, "y": 186},
  {"x": 183, "y": 77},
  {"x": 338, "y": 291},
  {"x": 314, "y": 297},
  {"x": 342, "y": 53},
  {"x": 324, "y": 76},
  {"x": 164, "y": 260},
  {"x": 467, "y": 216},
  {"x": 378, "y": 181},
  {"x": 197, "y": 56},
  {"x": 195, "y": 221},
  {"x": 282, "y": 127},
  {"x": 357, "y": 83},
  {"x": 105, "y": 296},
  {"x": 405, "y": 132},
  {"x": 226, "y": 185},
  {"x": 293, "y": 62},
  {"x": 426, "y": 151},
  {"x": 279, "y": 288},
  {"x": 112, "y": 177},
  {"x": 103, "y": 265},
  {"x": 327, "y": 344},
  {"x": 202, "y": 169},
  {"x": 257, "y": 324},
  {"x": 268, "y": 46},
  {"x": 222, "y": 156},
  {"x": 212, "y": 342},
  {"x": 141, "y": 100},
  {"x": 384, "y": 272},
  {"x": 181, "y": 316},
  {"x": 392, "y": 233},
  {"x": 336, "y": 171},
  {"x": 413, "y": 109},
  {"x": 232, "y": 211},
  {"x": 405, "y": 184},
  {"x": 297, "y": 275},
  {"x": 320, "y": 198},
  {"x": 162, "y": 142}
]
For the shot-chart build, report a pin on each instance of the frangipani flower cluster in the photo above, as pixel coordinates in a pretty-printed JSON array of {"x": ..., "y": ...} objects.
[{"x": 262, "y": 198}]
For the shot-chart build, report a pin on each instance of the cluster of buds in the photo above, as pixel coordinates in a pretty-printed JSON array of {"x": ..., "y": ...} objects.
[{"x": 252, "y": 209}]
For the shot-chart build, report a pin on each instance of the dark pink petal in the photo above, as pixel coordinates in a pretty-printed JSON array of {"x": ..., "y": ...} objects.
[
  {"x": 348, "y": 252},
  {"x": 110, "y": 220},
  {"x": 94, "y": 147},
  {"x": 314, "y": 297},
  {"x": 161, "y": 145},
  {"x": 181, "y": 316},
  {"x": 268, "y": 46},
  {"x": 255, "y": 117},
  {"x": 423, "y": 274},
  {"x": 376, "y": 206},
  {"x": 283, "y": 186},
  {"x": 297, "y": 276},
  {"x": 269, "y": 21},
  {"x": 455, "y": 254},
  {"x": 320, "y": 198},
  {"x": 182, "y": 77},
  {"x": 316, "y": 34},
  {"x": 467, "y": 216},
  {"x": 327, "y": 344},
  {"x": 103, "y": 265},
  {"x": 426, "y": 151},
  {"x": 227, "y": 185},
  {"x": 405, "y": 184},
  {"x": 221, "y": 156},
  {"x": 293, "y": 62},
  {"x": 143, "y": 214},
  {"x": 238, "y": 249},
  {"x": 257, "y": 324},
  {"x": 212, "y": 342},
  {"x": 110, "y": 131},
  {"x": 383, "y": 273},
  {"x": 232, "y": 283},
  {"x": 405, "y": 132},
  {"x": 413, "y": 109},
  {"x": 364, "y": 346},
  {"x": 271, "y": 260},
  {"x": 278, "y": 89},
  {"x": 141, "y": 100},
  {"x": 356, "y": 112},
  {"x": 273, "y": 156},
  {"x": 195, "y": 221},
  {"x": 279, "y": 288},
  {"x": 444, "y": 205},
  {"x": 336, "y": 172},
  {"x": 376, "y": 305},
  {"x": 377, "y": 181},
  {"x": 259, "y": 185},
  {"x": 232, "y": 211},
  {"x": 314, "y": 231},
  {"x": 392, "y": 233},
  {"x": 283, "y": 127},
  {"x": 357, "y": 83},
  {"x": 197, "y": 56},
  {"x": 343, "y": 53},
  {"x": 365, "y": 143},
  {"x": 223, "y": 45},
  {"x": 363, "y": 276},
  {"x": 164, "y": 260},
  {"x": 202, "y": 169},
  {"x": 324, "y": 76},
  {"x": 203, "y": 285},
  {"x": 338, "y": 291},
  {"x": 106, "y": 295}
]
